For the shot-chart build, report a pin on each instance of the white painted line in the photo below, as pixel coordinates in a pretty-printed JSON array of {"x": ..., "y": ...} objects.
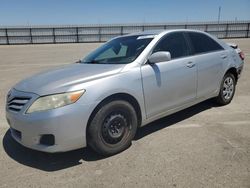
[
  {"x": 191, "y": 125},
  {"x": 2, "y": 70},
  {"x": 236, "y": 123},
  {"x": 43, "y": 64}
]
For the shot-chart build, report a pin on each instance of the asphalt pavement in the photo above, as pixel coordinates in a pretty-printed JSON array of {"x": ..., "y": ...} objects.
[{"x": 202, "y": 146}]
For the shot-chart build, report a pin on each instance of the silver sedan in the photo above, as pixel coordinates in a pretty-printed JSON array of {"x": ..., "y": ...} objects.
[{"x": 127, "y": 83}]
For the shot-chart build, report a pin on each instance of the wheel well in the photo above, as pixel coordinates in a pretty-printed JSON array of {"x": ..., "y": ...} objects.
[
  {"x": 234, "y": 72},
  {"x": 118, "y": 96}
]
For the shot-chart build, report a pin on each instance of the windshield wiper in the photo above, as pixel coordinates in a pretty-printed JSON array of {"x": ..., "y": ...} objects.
[
  {"x": 90, "y": 62},
  {"x": 79, "y": 61}
]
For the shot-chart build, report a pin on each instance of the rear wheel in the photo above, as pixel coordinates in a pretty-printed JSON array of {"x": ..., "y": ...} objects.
[
  {"x": 112, "y": 128},
  {"x": 227, "y": 89}
]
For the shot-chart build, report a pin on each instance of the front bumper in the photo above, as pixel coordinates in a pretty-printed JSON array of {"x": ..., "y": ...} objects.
[{"x": 67, "y": 125}]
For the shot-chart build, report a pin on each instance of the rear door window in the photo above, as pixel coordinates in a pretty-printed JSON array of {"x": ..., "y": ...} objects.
[{"x": 203, "y": 43}]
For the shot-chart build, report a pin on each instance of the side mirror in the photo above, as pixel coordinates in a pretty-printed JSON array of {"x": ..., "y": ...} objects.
[{"x": 158, "y": 57}]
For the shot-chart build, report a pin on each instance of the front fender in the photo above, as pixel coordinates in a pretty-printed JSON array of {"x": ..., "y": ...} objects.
[{"x": 128, "y": 82}]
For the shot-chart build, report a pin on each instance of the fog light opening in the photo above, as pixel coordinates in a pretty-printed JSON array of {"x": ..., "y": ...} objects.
[{"x": 47, "y": 140}]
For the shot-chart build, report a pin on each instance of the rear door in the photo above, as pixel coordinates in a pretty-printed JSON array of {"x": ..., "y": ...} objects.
[{"x": 209, "y": 58}]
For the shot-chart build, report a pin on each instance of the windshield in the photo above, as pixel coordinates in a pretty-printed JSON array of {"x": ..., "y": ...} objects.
[{"x": 121, "y": 50}]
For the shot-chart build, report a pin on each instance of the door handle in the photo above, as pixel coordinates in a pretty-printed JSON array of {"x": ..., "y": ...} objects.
[
  {"x": 190, "y": 64},
  {"x": 224, "y": 56}
]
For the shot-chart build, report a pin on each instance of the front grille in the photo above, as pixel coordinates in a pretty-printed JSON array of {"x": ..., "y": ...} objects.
[{"x": 17, "y": 103}]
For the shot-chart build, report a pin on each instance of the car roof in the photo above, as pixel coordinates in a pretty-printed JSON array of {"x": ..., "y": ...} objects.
[{"x": 157, "y": 32}]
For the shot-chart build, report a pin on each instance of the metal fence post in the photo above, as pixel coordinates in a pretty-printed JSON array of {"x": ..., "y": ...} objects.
[
  {"x": 77, "y": 35},
  {"x": 99, "y": 34},
  {"x": 206, "y": 26},
  {"x": 121, "y": 30},
  {"x": 31, "y": 39},
  {"x": 248, "y": 28},
  {"x": 54, "y": 36},
  {"x": 7, "y": 36},
  {"x": 226, "y": 31}
]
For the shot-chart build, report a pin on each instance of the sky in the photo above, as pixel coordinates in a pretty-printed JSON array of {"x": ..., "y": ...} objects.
[{"x": 70, "y": 12}]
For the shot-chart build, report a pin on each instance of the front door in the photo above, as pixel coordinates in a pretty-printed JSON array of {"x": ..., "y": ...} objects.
[{"x": 170, "y": 84}]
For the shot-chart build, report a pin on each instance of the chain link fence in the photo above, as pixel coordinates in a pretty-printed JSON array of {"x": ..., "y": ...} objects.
[{"x": 102, "y": 33}]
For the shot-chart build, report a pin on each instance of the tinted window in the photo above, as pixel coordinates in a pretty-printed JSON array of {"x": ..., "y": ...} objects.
[
  {"x": 202, "y": 43},
  {"x": 174, "y": 43}
]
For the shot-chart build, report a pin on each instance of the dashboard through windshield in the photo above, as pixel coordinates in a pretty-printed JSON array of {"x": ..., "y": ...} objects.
[{"x": 122, "y": 50}]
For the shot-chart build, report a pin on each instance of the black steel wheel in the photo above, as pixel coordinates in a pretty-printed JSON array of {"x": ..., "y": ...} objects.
[
  {"x": 112, "y": 128},
  {"x": 115, "y": 128}
]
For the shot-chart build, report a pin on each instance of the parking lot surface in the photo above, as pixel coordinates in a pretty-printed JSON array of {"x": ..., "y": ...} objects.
[{"x": 202, "y": 146}]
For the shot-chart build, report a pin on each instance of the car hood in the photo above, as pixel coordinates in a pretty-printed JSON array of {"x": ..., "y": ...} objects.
[{"x": 61, "y": 79}]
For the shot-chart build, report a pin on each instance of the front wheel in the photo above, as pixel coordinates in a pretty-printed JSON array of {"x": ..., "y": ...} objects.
[
  {"x": 112, "y": 128},
  {"x": 227, "y": 89}
]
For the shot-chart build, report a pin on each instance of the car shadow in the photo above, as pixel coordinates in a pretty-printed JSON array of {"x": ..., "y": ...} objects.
[
  {"x": 174, "y": 118},
  {"x": 58, "y": 161}
]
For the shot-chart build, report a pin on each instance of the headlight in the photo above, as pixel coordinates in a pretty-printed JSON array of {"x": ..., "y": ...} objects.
[{"x": 55, "y": 101}]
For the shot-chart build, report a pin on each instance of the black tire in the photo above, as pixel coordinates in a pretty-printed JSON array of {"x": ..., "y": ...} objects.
[
  {"x": 112, "y": 128},
  {"x": 225, "y": 98}
]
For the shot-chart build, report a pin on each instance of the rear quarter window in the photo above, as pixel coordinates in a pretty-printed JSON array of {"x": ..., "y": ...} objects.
[{"x": 203, "y": 44}]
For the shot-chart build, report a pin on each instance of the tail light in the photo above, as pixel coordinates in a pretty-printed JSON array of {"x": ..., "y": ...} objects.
[{"x": 242, "y": 55}]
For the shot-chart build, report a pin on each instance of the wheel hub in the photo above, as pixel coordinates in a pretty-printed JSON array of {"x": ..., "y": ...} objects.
[
  {"x": 114, "y": 128},
  {"x": 228, "y": 88}
]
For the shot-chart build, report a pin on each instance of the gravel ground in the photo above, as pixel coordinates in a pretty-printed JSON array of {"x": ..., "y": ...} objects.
[{"x": 202, "y": 146}]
